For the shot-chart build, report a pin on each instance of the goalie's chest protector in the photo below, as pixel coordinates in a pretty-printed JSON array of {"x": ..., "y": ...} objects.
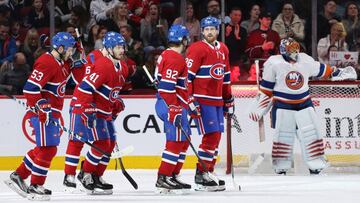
[{"x": 291, "y": 80}]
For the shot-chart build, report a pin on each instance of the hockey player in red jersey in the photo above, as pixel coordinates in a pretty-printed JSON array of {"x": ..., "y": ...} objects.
[
  {"x": 171, "y": 108},
  {"x": 209, "y": 97},
  {"x": 96, "y": 101},
  {"x": 44, "y": 92}
]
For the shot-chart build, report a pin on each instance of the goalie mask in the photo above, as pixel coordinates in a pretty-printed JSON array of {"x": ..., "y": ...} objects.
[{"x": 289, "y": 49}]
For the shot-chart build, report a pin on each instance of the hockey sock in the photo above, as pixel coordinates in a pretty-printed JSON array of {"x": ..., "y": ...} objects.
[
  {"x": 170, "y": 158},
  {"x": 93, "y": 157},
  {"x": 207, "y": 149},
  {"x": 211, "y": 168},
  {"x": 182, "y": 157},
  {"x": 41, "y": 164},
  {"x": 101, "y": 167},
  {"x": 24, "y": 170},
  {"x": 72, "y": 156}
]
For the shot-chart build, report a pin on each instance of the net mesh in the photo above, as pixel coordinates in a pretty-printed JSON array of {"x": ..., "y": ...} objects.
[{"x": 337, "y": 105}]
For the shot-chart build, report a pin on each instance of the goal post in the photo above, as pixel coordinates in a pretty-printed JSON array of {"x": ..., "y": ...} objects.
[{"x": 337, "y": 105}]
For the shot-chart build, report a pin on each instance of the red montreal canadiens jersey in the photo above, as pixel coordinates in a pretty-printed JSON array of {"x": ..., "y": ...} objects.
[
  {"x": 209, "y": 72},
  {"x": 172, "y": 77},
  {"x": 101, "y": 86},
  {"x": 47, "y": 81}
]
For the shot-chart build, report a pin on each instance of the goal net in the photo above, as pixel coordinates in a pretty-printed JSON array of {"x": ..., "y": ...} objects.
[{"x": 337, "y": 105}]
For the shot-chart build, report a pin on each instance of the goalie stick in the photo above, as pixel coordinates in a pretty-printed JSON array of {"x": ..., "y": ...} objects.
[
  {"x": 123, "y": 170},
  {"x": 259, "y": 159},
  {"x": 63, "y": 128}
]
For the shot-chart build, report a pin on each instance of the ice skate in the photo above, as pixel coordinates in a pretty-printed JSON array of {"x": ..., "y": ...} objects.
[
  {"x": 204, "y": 182},
  {"x": 166, "y": 185},
  {"x": 87, "y": 183},
  {"x": 101, "y": 187},
  {"x": 38, "y": 193},
  {"x": 69, "y": 184},
  {"x": 17, "y": 184}
]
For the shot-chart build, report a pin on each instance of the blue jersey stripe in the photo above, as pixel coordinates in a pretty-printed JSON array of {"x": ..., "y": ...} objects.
[
  {"x": 322, "y": 69},
  {"x": 267, "y": 84},
  {"x": 31, "y": 87},
  {"x": 166, "y": 85},
  {"x": 85, "y": 86}
]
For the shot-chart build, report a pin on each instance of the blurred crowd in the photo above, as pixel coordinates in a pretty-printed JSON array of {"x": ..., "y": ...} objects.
[{"x": 253, "y": 30}]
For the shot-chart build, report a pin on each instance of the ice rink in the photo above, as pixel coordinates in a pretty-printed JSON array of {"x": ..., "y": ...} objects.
[{"x": 262, "y": 189}]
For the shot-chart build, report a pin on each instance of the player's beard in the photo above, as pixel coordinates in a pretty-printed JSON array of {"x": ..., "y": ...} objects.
[{"x": 210, "y": 38}]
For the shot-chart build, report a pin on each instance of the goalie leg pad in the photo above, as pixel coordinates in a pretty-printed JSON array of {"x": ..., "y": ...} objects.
[
  {"x": 284, "y": 137},
  {"x": 310, "y": 141}
]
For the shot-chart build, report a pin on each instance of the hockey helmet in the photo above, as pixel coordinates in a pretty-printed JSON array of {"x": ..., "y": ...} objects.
[
  {"x": 64, "y": 39},
  {"x": 113, "y": 39},
  {"x": 177, "y": 33},
  {"x": 210, "y": 21},
  {"x": 289, "y": 49}
]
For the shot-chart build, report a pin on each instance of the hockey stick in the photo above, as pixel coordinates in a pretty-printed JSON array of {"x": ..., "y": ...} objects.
[
  {"x": 63, "y": 128},
  {"x": 203, "y": 165},
  {"x": 123, "y": 170},
  {"x": 259, "y": 159},
  {"x": 230, "y": 152}
]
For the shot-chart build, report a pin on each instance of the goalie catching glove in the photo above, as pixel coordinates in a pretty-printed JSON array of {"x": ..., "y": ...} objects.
[
  {"x": 174, "y": 115},
  {"x": 260, "y": 107},
  {"x": 347, "y": 73}
]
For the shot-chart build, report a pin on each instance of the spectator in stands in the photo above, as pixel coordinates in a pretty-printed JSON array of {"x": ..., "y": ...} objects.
[
  {"x": 14, "y": 77},
  {"x": 235, "y": 38},
  {"x": 263, "y": 42},
  {"x": 5, "y": 12},
  {"x": 190, "y": 22},
  {"x": 120, "y": 18},
  {"x": 70, "y": 28},
  {"x": 38, "y": 16},
  {"x": 288, "y": 24},
  {"x": 213, "y": 9},
  {"x": 31, "y": 44},
  {"x": 7, "y": 45},
  {"x": 326, "y": 18},
  {"x": 335, "y": 38},
  {"x": 153, "y": 30},
  {"x": 134, "y": 47},
  {"x": 79, "y": 17},
  {"x": 91, "y": 38},
  {"x": 253, "y": 22},
  {"x": 15, "y": 32},
  {"x": 62, "y": 11},
  {"x": 351, "y": 23},
  {"x": 235, "y": 74},
  {"x": 72, "y": 3},
  {"x": 139, "y": 9},
  {"x": 99, "y": 38},
  {"x": 101, "y": 10}
]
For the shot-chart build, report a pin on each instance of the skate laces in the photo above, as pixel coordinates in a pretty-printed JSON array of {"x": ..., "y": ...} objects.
[
  {"x": 70, "y": 178},
  {"x": 170, "y": 180},
  {"x": 102, "y": 181},
  {"x": 88, "y": 178},
  {"x": 177, "y": 178}
]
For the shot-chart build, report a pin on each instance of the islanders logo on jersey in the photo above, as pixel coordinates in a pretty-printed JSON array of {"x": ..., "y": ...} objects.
[
  {"x": 114, "y": 94},
  {"x": 294, "y": 80},
  {"x": 217, "y": 71},
  {"x": 61, "y": 89}
]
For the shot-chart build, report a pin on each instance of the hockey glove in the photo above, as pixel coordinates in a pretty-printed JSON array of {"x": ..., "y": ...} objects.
[
  {"x": 260, "y": 107},
  {"x": 43, "y": 108},
  {"x": 194, "y": 108},
  {"x": 229, "y": 107},
  {"x": 174, "y": 115},
  {"x": 118, "y": 107},
  {"x": 88, "y": 115}
]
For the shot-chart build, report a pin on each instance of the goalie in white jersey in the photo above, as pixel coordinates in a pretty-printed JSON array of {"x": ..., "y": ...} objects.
[{"x": 284, "y": 87}]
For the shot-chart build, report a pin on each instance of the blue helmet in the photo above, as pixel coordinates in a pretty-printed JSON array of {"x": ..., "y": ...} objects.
[
  {"x": 64, "y": 39},
  {"x": 210, "y": 21},
  {"x": 112, "y": 39},
  {"x": 177, "y": 33}
]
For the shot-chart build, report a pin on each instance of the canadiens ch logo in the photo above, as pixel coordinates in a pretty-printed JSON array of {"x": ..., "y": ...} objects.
[
  {"x": 61, "y": 89},
  {"x": 114, "y": 94},
  {"x": 294, "y": 80},
  {"x": 217, "y": 71},
  {"x": 28, "y": 128}
]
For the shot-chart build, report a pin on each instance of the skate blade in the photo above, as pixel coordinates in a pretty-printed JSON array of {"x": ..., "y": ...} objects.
[
  {"x": 164, "y": 191},
  {"x": 37, "y": 197},
  {"x": 221, "y": 188},
  {"x": 98, "y": 191},
  {"x": 15, "y": 188},
  {"x": 72, "y": 190},
  {"x": 203, "y": 188}
]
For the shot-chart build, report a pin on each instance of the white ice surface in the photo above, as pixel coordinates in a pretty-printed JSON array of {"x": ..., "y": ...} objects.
[{"x": 261, "y": 189}]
